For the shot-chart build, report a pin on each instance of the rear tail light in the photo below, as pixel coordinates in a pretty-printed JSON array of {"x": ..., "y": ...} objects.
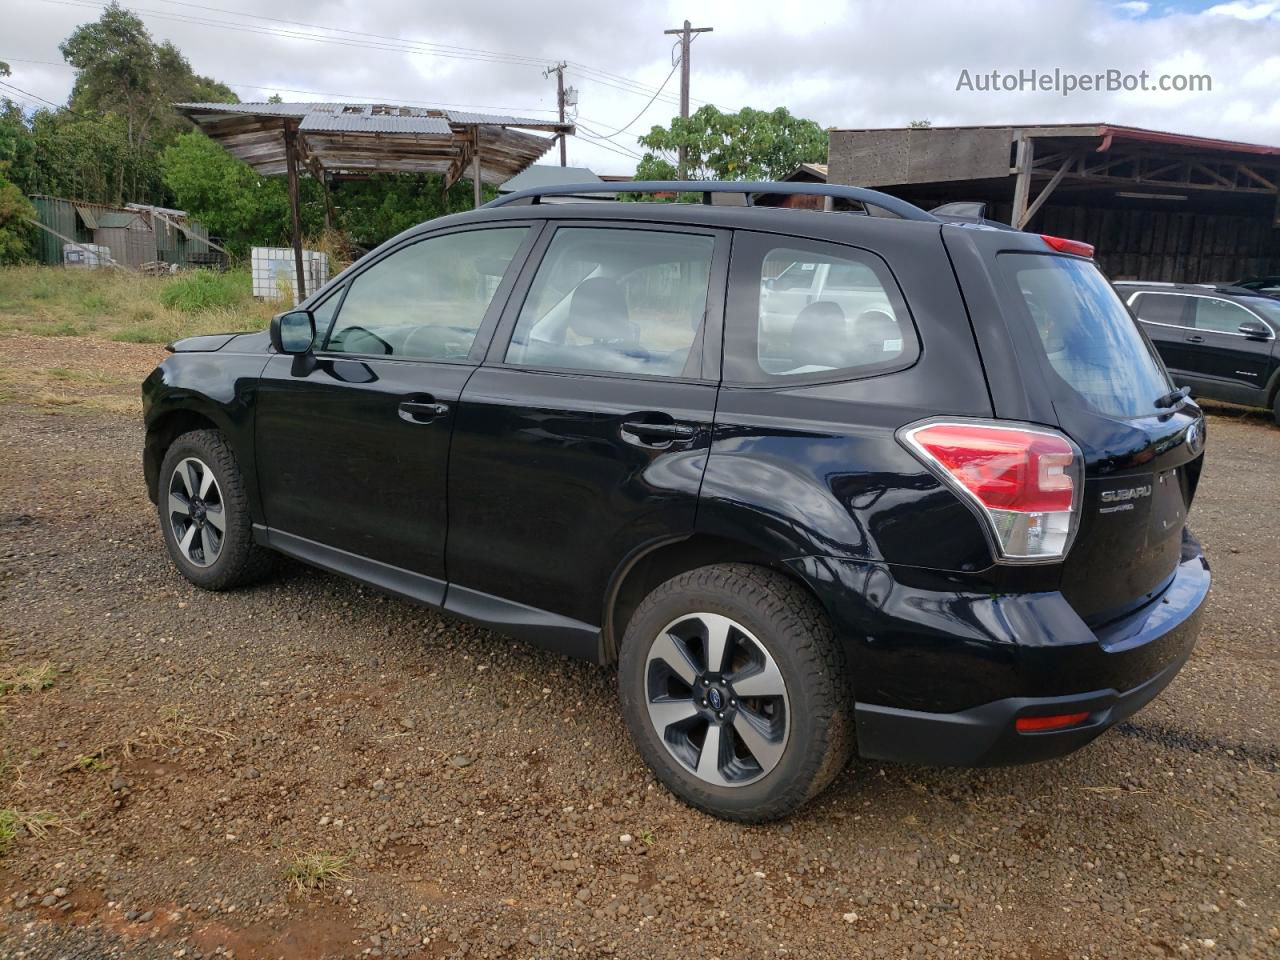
[
  {"x": 1058, "y": 721},
  {"x": 1025, "y": 482},
  {"x": 1063, "y": 245}
]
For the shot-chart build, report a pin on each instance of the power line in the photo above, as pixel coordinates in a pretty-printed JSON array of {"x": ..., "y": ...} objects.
[
  {"x": 371, "y": 41},
  {"x": 645, "y": 108},
  {"x": 369, "y": 98}
]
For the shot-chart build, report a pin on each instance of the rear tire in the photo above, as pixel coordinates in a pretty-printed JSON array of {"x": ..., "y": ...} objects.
[
  {"x": 204, "y": 514},
  {"x": 777, "y": 708}
]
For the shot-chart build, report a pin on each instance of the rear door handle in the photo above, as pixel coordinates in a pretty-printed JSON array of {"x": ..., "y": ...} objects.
[
  {"x": 656, "y": 433},
  {"x": 421, "y": 411},
  {"x": 1195, "y": 339}
]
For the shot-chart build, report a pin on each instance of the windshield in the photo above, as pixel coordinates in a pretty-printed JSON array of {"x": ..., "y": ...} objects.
[{"x": 1090, "y": 341}]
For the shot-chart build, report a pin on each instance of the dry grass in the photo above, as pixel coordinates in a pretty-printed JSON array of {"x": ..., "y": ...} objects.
[
  {"x": 28, "y": 679},
  {"x": 18, "y": 823},
  {"x": 115, "y": 305},
  {"x": 316, "y": 870},
  {"x": 175, "y": 727}
]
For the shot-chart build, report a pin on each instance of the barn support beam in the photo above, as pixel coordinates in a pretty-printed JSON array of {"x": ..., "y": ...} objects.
[
  {"x": 1023, "y": 162},
  {"x": 475, "y": 166},
  {"x": 291, "y": 163},
  {"x": 1045, "y": 193}
]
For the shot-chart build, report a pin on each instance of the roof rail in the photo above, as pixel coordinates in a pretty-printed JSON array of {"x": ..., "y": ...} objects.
[{"x": 869, "y": 198}]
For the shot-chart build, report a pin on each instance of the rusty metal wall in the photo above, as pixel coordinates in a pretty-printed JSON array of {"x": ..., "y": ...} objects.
[
  {"x": 873, "y": 158},
  {"x": 130, "y": 246}
]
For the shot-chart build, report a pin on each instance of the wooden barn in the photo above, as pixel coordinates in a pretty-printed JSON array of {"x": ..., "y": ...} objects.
[{"x": 1157, "y": 206}]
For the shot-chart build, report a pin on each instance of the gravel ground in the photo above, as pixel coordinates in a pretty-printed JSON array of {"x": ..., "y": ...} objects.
[{"x": 481, "y": 798}]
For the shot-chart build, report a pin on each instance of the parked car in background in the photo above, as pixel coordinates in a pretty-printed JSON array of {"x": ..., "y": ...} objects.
[
  {"x": 812, "y": 484},
  {"x": 1219, "y": 341},
  {"x": 1268, "y": 285}
]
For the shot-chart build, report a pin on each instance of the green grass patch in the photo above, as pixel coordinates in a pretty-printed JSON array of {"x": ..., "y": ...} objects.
[
  {"x": 128, "y": 307},
  {"x": 205, "y": 290}
]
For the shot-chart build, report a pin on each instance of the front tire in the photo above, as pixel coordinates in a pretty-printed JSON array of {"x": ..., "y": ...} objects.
[
  {"x": 735, "y": 692},
  {"x": 204, "y": 514}
]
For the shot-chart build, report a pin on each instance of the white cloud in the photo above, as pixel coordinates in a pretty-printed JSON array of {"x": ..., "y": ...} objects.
[
  {"x": 1134, "y": 8},
  {"x": 1244, "y": 11},
  {"x": 869, "y": 63}
]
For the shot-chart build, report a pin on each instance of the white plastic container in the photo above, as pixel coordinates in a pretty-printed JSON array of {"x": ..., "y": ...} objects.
[{"x": 276, "y": 278}]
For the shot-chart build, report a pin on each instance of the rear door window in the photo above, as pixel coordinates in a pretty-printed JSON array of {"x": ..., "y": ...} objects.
[
  {"x": 1169, "y": 309},
  {"x": 847, "y": 320},
  {"x": 617, "y": 301},
  {"x": 1089, "y": 342}
]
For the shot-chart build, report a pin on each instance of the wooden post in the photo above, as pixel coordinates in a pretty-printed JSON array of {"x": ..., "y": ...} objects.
[
  {"x": 1022, "y": 186},
  {"x": 475, "y": 165},
  {"x": 330, "y": 215},
  {"x": 291, "y": 163}
]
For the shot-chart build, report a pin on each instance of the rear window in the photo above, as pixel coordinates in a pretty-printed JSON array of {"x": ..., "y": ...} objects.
[{"x": 1089, "y": 341}]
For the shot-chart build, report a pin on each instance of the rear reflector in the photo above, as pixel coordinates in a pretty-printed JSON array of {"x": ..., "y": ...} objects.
[
  {"x": 1063, "y": 245},
  {"x": 1025, "y": 481},
  {"x": 1058, "y": 721}
]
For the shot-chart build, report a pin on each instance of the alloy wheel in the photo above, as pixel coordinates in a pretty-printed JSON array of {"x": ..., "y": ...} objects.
[
  {"x": 196, "y": 512},
  {"x": 717, "y": 699}
]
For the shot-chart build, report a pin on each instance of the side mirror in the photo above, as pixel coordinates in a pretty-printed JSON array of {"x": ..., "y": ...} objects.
[
  {"x": 293, "y": 332},
  {"x": 1255, "y": 330}
]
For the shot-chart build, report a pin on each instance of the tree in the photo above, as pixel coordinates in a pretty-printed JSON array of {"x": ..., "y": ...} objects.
[
  {"x": 747, "y": 145},
  {"x": 15, "y": 231},
  {"x": 230, "y": 197},
  {"x": 123, "y": 71},
  {"x": 920, "y": 124}
]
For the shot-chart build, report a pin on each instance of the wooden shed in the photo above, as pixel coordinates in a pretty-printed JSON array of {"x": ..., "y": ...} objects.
[
  {"x": 330, "y": 140},
  {"x": 127, "y": 235}
]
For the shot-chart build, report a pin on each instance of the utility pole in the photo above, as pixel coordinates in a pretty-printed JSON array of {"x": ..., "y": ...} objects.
[
  {"x": 686, "y": 38},
  {"x": 558, "y": 70}
]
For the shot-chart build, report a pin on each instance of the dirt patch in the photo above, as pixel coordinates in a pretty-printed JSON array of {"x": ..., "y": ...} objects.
[
  {"x": 75, "y": 374},
  {"x": 479, "y": 790}
]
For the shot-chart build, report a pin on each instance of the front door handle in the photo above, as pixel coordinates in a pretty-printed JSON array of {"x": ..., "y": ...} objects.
[
  {"x": 421, "y": 411},
  {"x": 1195, "y": 339},
  {"x": 655, "y": 434}
]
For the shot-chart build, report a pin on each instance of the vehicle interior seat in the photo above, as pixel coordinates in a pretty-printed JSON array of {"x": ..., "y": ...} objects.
[{"x": 819, "y": 336}]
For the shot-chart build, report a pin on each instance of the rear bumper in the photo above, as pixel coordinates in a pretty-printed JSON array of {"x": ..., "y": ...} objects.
[
  {"x": 1040, "y": 658},
  {"x": 985, "y": 736}
]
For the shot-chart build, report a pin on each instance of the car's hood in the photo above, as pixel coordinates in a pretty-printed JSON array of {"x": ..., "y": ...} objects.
[{"x": 210, "y": 342}]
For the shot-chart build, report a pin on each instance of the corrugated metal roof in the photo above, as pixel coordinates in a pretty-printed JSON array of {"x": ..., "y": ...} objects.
[
  {"x": 318, "y": 121},
  {"x": 87, "y": 216},
  {"x": 463, "y": 117},
  {"x": 392, "y": 114},
  {"x": 113, "y": 220},
  {"x": 546, "y": 175}
]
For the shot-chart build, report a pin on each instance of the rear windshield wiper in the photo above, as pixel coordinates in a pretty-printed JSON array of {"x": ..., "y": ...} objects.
[{"x": 1173, "y": 397}]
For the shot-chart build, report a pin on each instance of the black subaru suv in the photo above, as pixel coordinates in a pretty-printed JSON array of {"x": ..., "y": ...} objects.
[
  {"x": 1219, "y": 340},
  {"x": 815, "y": 484}
]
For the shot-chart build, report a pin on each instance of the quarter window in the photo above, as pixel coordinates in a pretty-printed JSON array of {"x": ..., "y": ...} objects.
[
  {"x": 426, "y": 300},
  {"x": 821, "y": 311},
  {"x": 621, "y": 301}
]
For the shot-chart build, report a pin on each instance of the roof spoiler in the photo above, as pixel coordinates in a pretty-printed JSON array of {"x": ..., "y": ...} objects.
[{"x": 868, "y": 198}]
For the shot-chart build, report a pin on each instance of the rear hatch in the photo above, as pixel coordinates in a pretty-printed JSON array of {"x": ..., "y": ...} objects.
[{"x": 1077, "y": 346}]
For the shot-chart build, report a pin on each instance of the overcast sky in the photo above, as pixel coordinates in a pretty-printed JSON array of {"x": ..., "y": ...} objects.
[{"x": 868, "y": 63}]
